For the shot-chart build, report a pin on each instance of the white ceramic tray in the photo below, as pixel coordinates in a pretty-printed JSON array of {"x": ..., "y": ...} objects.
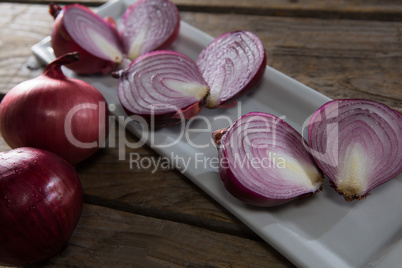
[{"x": 322, "y": 231}]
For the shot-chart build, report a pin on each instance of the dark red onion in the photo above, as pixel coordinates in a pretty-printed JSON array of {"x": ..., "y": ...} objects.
[
  {"x": 40, "y": 204},
  {"x": 163, "y": 86},
  {"x": 77, "y": 28},
  {"x": 55, "y": 113},
  {"x": 264, "y": 161},
  {"x": 149, "y": 25},
  {"x": 357, "y": 143},
  {"x": 232, "y": 65}
]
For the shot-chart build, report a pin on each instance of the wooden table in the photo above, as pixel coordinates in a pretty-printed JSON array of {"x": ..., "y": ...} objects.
[{"x": 133, "y": 217}]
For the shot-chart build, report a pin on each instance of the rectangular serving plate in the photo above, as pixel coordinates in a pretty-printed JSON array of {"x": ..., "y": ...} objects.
[{"x": 321, "y": 231}]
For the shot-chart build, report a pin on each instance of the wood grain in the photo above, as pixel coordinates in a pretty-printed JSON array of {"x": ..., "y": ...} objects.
[
  {"x": 151, "y": 191},
  {"x": 21, "y": 26},
  {"x": 111, "y": 238},
  {"x": 340, "y": 9},
  {"x": 388, "y": 10}
]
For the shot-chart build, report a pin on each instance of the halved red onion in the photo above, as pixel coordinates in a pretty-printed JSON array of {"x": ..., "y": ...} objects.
[
  {"x": 77, "y": 28},
  {"x": 264, "y": 161},
  {"x": 149, "y": 25},
  {"x": 357, "y": 143},
  {"x": 163, "y": 86},
  {"x": 232, "y": 65}
]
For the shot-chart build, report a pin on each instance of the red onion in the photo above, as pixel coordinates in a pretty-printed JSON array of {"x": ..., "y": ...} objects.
[
  {"x": 264, "y": 161},
  {"x": 55, "y": 113},
  {"x": 40, "y": 204},
  {"x": 163, "y": 86},
  {"x": 77, "y": 28},
  {"x": 149, "y": 25},
  {"x": 357, "y": 143},
  {"x": 232, "y": 65}
]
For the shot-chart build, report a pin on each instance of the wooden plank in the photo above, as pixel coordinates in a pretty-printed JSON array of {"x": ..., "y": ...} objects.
[
  {"x": 163, "y": 194},
  {"x": 110, "y": 238},
  {"x": 339, "y": 9},
  {"x": 21, "y": 26},
  {"x": 147, "y": 189}
]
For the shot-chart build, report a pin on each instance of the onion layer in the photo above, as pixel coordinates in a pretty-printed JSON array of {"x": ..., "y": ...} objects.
[
  {"x": 232, "y": 65},
  {"x": 40, "y": 204},
  {"x": 149, "y": 25},
  {"x": 163, "y": 86},
  {"x": 264, "y": 161},
  {"x": 357, "y": 143},
  {"x": 77, "y": 28},
  {"x": 52, "y": 112}
]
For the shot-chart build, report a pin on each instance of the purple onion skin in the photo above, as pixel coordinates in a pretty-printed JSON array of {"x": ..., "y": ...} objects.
[
  {"x": 387, "y": 164},
  {"x": 62, "y": 43},
  {"x": 232, "y": 183},
  {"x": 41, "y": 203},
  {"x": 33, "y": 113},
  {"x": 171, "y": 119}
]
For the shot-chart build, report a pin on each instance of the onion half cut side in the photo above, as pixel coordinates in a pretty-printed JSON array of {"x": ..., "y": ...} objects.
[
  {"x": 357, "y": 144},
  {"x": 232, "y": 65},
  {"x": 149, "y": 25},
  {"x": 78, "y": 29},
  {"x": 163, "y": 87},
  {"x": 264, "y": 162}
]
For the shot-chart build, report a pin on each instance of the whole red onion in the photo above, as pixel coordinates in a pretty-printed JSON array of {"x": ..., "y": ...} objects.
[
  {"x": 52, "y": 112},
  {"x": 40, "y": 205}
]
